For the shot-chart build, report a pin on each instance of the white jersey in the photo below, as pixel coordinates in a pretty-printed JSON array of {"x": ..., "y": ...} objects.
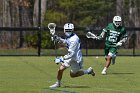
[{"x": 74, "y": 48}]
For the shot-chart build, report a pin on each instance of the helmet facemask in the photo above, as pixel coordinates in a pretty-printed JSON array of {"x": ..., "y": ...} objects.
[
  {"x": 68, "y": 29},
  {"x": 68, "y": 32}
]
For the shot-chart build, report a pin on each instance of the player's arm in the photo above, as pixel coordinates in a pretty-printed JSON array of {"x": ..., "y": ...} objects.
[
  {"x": 123, "y": 39},
  {"x": 58, "y": 39},
  {"x": 71, "y": 50},
  {"x": 62, "y": 41},
  {"x": 102, "y": 35}
]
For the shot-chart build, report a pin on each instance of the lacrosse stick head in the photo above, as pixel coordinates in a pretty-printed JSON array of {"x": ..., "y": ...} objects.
[
  {"x": 52, "y": 27},
  {"x": 91, "y": 35},
  {"x": 88, "y": 34}
]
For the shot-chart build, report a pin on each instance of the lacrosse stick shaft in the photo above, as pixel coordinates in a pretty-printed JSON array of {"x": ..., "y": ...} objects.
[{"x": 55, "y": 48}]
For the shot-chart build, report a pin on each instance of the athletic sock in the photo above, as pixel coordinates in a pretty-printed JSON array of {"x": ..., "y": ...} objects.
[
  {"x": 85, "y": 71},
  {"x": 58, "y": 81}
]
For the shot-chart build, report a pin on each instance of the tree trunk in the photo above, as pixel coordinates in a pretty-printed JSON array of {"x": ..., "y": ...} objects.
[
  {"x": 24, "y": 20},
  {"x": 134, "y": 22},
  {"x": 5, "y": 22},
  {"x": 137, "y": 23},
  {"x": 36, "y": 10},
  {"x": 119, "y": 7},
  {"x": 14, "y": 13}
]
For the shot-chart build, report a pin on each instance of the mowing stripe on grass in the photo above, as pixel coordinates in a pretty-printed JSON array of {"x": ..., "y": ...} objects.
[
  {"x": 99, "y": 88},
  {"x": 56, "y": 89}
]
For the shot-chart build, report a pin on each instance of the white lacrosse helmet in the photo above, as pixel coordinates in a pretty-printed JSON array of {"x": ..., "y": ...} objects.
[
  {"x": 68, "y": 29},
  {"x": 117, "y": 21}
]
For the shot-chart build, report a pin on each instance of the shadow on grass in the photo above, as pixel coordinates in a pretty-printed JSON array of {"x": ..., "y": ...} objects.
[
  {"x": 76, "y": 86},
  {"x": 60, "y": 90},
  {"x": 122, "y": 73}
]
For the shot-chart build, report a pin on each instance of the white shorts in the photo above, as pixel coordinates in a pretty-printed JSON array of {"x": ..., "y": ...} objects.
[
  {"x": 112, "y": 55},
  {"x": 75, "y": 67}
]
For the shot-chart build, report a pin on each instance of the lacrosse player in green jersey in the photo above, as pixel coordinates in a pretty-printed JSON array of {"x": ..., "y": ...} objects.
[{"x": 115, "y": 35}]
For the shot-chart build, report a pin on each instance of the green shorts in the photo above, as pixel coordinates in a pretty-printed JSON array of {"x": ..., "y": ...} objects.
[{"x": 108, "y": 49}]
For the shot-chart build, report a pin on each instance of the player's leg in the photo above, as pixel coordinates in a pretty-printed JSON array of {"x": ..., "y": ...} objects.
[
  {"x": 59, "y": 77},
  {"x": 107, "y": 64},
  {"x": 111, "y": 54},
  {"x": 61, "y": 69},
  {"x": 76, "y": 72},
  {"x": 113, "y": 59},
  {"x": 107, "y": 58}
]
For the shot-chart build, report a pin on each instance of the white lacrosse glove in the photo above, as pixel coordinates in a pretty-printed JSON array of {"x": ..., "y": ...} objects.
[
  {"x": 59, "y": 60},
  {"x": 98, "y": 38},
  {"x": 119, "y": 44}
]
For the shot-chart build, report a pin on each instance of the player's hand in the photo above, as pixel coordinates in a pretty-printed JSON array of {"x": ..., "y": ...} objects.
[
  {"x": 119, "y": 44},
  {"x": 59, "y": 60},
  {"x": 98, "y": 38},
  {"x": 55, "y": 38}
]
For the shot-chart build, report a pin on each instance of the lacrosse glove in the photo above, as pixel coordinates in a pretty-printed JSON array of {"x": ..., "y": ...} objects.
[
  {"x": 98, "y": 38},
  {"x": 119, "y": 44},
  {"x": 55, "y": 38},
  {"x": 59, "y": 60}
]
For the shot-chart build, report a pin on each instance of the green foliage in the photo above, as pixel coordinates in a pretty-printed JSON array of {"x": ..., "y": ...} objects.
[
  {"x": 54, "y": 16},
  {"x": 32, "y": 40},
  {"x": 46, "y": 40},
  {"x": 87, "y": 21},
  {"x": 67, "y": 4},
  {"x": 80, "y": 12}
]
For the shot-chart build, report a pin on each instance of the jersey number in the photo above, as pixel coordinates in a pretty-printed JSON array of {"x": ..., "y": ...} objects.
[{"x": 113, "y": 37}]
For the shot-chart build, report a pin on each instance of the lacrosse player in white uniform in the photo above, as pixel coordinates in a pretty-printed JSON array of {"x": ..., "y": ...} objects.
[{"x": 73, "y": 58}]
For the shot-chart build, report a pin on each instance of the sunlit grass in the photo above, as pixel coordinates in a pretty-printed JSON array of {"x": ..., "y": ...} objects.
[{"x": 36, "y": 74}]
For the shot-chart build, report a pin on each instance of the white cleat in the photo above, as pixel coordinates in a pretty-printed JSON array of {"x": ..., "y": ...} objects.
[
  {"x": 56, "y": 85},
  {"x": 103, "y": 73},
  {"x": 90, "y": 71}
]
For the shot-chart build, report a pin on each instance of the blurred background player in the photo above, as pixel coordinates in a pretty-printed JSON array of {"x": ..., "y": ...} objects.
[
  {"x": 73, "y": 58},
  {"x": 115, "y": 35}
]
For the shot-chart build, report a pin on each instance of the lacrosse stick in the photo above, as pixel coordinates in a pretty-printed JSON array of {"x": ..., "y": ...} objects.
[
  {"x": 52, "y": 27},
  {"x": 91, "y": 35}
]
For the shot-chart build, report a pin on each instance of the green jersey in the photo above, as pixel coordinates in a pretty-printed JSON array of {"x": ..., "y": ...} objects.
[{"x": 113, "y": 34}]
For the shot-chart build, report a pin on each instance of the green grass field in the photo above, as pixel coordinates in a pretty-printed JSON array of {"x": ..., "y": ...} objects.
[{"x": 35, "y": 75}]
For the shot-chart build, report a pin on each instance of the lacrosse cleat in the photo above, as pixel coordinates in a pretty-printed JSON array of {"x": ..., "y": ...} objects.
[
  {"x": 103, "y": 73},
  {"x": 56, "y": 85},
  {"x": 90, "y": 71}
]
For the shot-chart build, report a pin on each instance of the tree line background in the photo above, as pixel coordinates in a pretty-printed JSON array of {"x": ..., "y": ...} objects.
[{"x": 82, "y": 13}]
